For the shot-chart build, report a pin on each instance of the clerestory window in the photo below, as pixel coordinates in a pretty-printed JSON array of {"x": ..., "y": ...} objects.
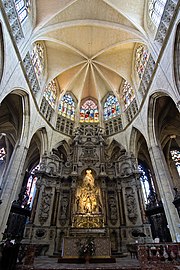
[
  {"x": 22, "y": 7},
  {"x": 37, "y": 58},
  {"x": 50, "y": 93},
  {"x": 127, "y": 94},
  {"x": 111, "y": 107},
  {"x": 67, "y": 107},
  {"x": 146, "y": 182},
  {"x": 89, "y": 112},
  {"x": 141, "y": 58},
  {"x": 156, "y": 8}
]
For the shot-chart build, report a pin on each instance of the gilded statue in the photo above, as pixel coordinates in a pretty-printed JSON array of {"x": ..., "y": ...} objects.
[{"x": 88, "y": 196}]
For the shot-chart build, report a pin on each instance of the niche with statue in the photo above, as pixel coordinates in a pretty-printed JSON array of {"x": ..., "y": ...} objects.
[{"x": 88, "y": 209}]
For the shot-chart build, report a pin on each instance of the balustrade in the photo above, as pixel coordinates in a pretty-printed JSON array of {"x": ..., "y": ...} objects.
[{"x": 159, "y": 256}]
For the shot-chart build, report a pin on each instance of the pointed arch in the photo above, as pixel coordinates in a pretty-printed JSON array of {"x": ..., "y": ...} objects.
[
  {"x": 164, "y": 130},
  {"x": 62, "y": 150},
  {"x": 14, "y": 127},
  {"x": 115, "y": 150}
]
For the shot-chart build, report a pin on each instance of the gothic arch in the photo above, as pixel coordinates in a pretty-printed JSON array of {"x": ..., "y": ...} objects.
[
  {"x": 163, "y": 118},
  {"x": 37, "y": 146},
  {"x": 115, "y": 150},
  {"x": 152, "y": 124},
  {"x": 132, "y": 142},
  {"x": 14, "y": 127},
  {"x": 62, "y": 149},
  {"x": 139, "y": 147},
  {"x": 167, "y": 118}
]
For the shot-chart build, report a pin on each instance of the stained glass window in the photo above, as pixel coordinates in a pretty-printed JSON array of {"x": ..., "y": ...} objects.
[
  {"x": 146, "y": 182},
  {"x": 30, "y": 189},
  {"x": 111, "y": 107},
  {"x": 127, "y": 94},
  {"x": 50, "y": 93},
  {"x": 156, "y": 8},
  {"x": 89, "y": 112},
  {"x": 38, "y": 58},
  {"x": 141, "y": 59},
  {"x": 22, "y": 9},
  {"x": 175, "y": 154},
  {"x": 67, "y": 107}
]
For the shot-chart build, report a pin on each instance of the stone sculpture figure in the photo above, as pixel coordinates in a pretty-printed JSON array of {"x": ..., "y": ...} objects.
[{"x": 45, "y": 207}]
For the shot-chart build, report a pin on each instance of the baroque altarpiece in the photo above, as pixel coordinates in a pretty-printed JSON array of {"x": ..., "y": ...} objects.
[{"x": 88, "y": 186}]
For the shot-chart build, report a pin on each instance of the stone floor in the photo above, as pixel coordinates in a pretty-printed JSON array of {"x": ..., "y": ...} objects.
[{"x": 44, "y": 263}]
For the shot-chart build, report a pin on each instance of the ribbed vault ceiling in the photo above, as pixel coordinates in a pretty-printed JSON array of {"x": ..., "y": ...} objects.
[{"x": 90, "y": 43}]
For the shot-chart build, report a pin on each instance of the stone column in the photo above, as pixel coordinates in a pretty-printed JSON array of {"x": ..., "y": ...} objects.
[
  {"x": 55, "y": 212},
  {"x": 140, "y": 198},
  {"x": 104, "y": 198},
  {"x": 105, "y": 203},
  {"x": 12, "y": 183},
  {"x": 121, "y": 214},
  {"x": 33, "y": 212},
  {"x": 163, "y": 179}
]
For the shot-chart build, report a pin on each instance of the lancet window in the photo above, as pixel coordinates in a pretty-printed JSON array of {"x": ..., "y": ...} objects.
[
  {"x": 175, "y": 154},
  {"x": 111, "y": 107},
  {"x": 146, "y": 183},
  {"x": 141, "y": 58},
  {"x": 67, "y": 107},
  {"x": 22, "y": 7},
  {"x": 156, "y": 8},
  {"x": 50, "y": 93},
  {"x": 30, "y": 189},
  {"x": 127, "y": 94},
  {"x": 38, "y": 58},
  {"x": 89, "y": 112}
]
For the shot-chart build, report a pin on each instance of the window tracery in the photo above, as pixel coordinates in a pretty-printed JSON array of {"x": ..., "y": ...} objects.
[
  {"x": 50, "y": 93},
  {"x": 155, "y": 9},
  {"x": 89, "y": 112},
  {"x": 22, "y": 7},
  {"x": 67, "y": 107},
  {"x": 141, "y": 59},
  {"x": 38, "y": 58},
  {"x": 111, "y": 107},
  {"x": 127, "y": 94}
]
